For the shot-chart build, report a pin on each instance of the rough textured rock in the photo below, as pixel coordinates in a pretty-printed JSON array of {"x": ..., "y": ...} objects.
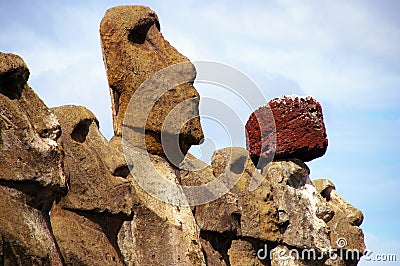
[
  {"x": 337, "y": 261},
  {"x": 14, "y": 75},
  {"x": 212, "y": 256},
  {"x": 285, "y": 207},
  {"x": 303, "y": 213},
  {"x": 25, "y": 234},
  {"x": 95, "y": 169},
  {"x": 283, "y": 256},
  {"x": 31, "y": 176},
  {"x": 221, "y": 215},
  {"x": 243, "y": 253},
  {"x": 87, "y": 220},
  {"x": 239, "y": 212},
  {"x": 28, "y": 130},
  {"x": 133, "y": 50},
  {"x": 160, "y": 233},
  {"x": 126, "y": 206},
  {"x": 297, "y": 124},
  {"x": 345, "y": 230},
  {"x": 257, "y": 211}
]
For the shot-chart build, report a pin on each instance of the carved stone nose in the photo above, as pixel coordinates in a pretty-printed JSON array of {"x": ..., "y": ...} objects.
[{"x": 355, "y": 217}]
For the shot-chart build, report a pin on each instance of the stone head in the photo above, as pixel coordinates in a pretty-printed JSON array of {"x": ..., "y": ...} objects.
[
  {"x": 31, "y": 175},
  {"x": 344, "y": 226},
  {"x": 302, "y": 211},
  {"x": 96, "y": 172},
  {"x": 134, "y": 50},
  {"x": 29, "y": 152}
]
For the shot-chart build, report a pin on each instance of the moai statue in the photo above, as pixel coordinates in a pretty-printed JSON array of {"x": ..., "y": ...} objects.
[
  {"x": 31, "y": 175},
  {"x": 134, "y": 50},
  {"x": 346, "y": 233},
  {"x": 87, "y": 220},
  {"x": 142, "y": 72}
]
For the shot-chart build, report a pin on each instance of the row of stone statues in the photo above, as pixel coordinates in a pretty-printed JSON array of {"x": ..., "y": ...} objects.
[{"x": 70, "y": 197}]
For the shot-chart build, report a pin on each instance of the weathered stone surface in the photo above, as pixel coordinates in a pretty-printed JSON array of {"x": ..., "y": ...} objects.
[
  {"x": 212, "y": 256},
  {"x": 298, "y": 125},
  {"x": 87, "y": 238},
  {"x": 13, "y": 75},
  {"x": 134, "y": 50},
  {"x": 28, "y": 130},
  {"x": 87, "y": 220},
  {"x": 283, "y": 256},
  {"x": 31, "y": 174},
  {"x": 243, "y": 253},
  {"x": 160, "y": 233},
  {"x": 96, "y": 170},
  {"x": 222, "y": 214},
  {"x": 258, "y": 213},
  {"x": 25, "y": 234},
  {"x": 107, "y": 218},
  {"x": 337, "y": 261},
  {"x": 240, "y": 212},
  {"x": 303, "y": 213},
  {"x": 345, "y": 230}
]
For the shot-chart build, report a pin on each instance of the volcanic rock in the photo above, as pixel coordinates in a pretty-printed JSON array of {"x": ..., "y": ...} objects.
[
  {"x": 257, "y": 211},
  {"x": 283, "y": 256},
  {"x": 212, "y": 256},
  {"x": 303, "y": 213},
  {"x": 345, "y": 230},
  {"x": 141, "y": 198},
  {"x": 25, "y": 235},
  {"x": 87, "y": 220},
  {"x": 208, "y": 216},
  {"x": 243, "y": 252},
  {"x": 14, "y": 74},
  {"x": 133, "y": 51},
  {"x": 31, "y": 176},
  {"x": 239, "y": 212},
  {"x": 160, "y": 233},
  {"x": 287, "y": 127}
]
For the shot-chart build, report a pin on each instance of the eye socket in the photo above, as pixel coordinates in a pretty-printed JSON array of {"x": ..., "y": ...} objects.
[
  {"x": 122, "y": 171},
  {"x": 138, "y": 34},
  {"x": 12, "y": 82},
  {"x": 326, "y": 194},
  {"x": 81, "y": 130}
]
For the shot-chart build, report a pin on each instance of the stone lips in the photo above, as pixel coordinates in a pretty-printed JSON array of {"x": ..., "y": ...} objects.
[{"x": 300, "y": 130}]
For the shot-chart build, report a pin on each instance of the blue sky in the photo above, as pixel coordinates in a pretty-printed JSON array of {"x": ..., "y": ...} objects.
[{"x": 346, "y": 54}]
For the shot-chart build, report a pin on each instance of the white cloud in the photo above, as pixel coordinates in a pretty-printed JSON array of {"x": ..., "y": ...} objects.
[{"x": 335, "y": 51}]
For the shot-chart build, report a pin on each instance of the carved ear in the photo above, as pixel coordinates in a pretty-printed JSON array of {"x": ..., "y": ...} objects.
[
  {"x": 13, "y": 75},
  {"x": 81, "y": 130}
]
